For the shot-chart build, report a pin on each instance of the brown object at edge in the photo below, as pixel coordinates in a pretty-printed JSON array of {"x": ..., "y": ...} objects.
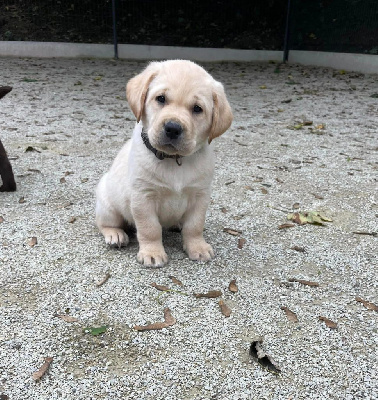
[{"x": 43, "y": 369}]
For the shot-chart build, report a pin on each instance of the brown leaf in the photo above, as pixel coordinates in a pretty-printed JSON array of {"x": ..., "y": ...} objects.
[
  {"x": 160, "y": 287},
  {"x": 367, "y": 304},
  {"x": 328, "y": 322},
  {"x": 233, "y": 232},
  {"x": 1, "y": 219},
  {"x": 175, "y": 280},
  {"x": 72, "y": 220},
  {"x": 62, "y": 180},
  {"x": 43, "y": 369},
  {"x": 291, "y": 316},
  {"x": 225, "y": 309},
  {"x": 224, "y": 210},
  {"x": 287, "y": 225},
  {"x": 169, "y": 320},
  {"x": 104, "y": 280},
  {"x": 232, "y": 287},
  {"x": 264, "y": 191},
  {"x": 304, "y": 282},
  {"x": 66, "y": 318},
  {"x": 241, "y": 243},
  {"x": 258, "y": 354},
  {"x": 299, "y": 249},
  {"x": 211, "y": 294},
  {"x": 22, "y": 200},
  {"x": 32, "y": 241}
]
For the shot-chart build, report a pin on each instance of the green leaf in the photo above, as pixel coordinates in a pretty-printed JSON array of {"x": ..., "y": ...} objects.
[{"x": 95, "y": 331}]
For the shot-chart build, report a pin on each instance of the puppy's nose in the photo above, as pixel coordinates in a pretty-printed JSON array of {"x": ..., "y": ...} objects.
[{"x": 173, "y": 130}]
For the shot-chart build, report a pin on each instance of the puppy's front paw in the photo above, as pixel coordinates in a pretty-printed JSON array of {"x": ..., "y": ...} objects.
[
  {"x": 115, "y": 237},
  {"x": 152, "y": 256},
  {"x": 199, "y": 250}
]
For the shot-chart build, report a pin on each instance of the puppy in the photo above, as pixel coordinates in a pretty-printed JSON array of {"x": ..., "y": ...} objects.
[
  {"x": 6, "y": 173},
  {"x": 162, "y": 175}
]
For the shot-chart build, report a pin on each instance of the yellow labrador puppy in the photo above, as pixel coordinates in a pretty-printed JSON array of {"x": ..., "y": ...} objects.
[{"x": 162, "y": 176}]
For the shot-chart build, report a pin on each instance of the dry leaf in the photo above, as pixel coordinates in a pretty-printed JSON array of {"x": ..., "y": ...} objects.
[
  {"x": 304, "y": 282},
  {"x": 295, "y": 206},
  {"x": 258, "y": 354},
  {"x": 241, "y": 243},
  {"x": 264, "y": 191},
  {"x": 72, "y": 220},
  {"x": 285, "y": 226},
  {"x": 233, "y": 232},
  {"x": 211, "y": 294},
  {"x": 328, "y": 322},
  {"x": 62, "y": 180},
  {"x": 225, "y": 309},
  {"x": 232, "y": 287},
  {"x": 291, "y": 316},
  {"x": 43, "y": 369},
  {"x": 175, "y": 280},
  {"x": 299, "y": 249},
  {"x": 318, "y": 196},
  {"x": 66, "y": 318},
  {"x": 1, "y": 219},
  {"x": 32, "y": 241},
  {"x": 366, "y": 233},
  {"x": 367, "y": 304},
  {"x": 160, "y": 287},
  {"x": 224, "y": 210},
  {"x": 22, "y": 200},
  {"x": 168, "y": 321},
  {"x": 104, "y": 280}
]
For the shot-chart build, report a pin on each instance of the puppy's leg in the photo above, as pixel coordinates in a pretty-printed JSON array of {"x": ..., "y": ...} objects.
[
  {"x": 149, "y": 233},
  {"x": 192, "y": 230},
  {"x": 6, "y": 173}
]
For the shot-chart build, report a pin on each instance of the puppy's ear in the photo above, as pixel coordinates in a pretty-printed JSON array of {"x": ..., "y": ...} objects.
[
  {"x": 137, "y": 88},
  {"x": 222, "y": 113}
]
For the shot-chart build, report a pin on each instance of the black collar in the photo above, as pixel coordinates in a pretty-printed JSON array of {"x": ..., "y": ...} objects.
[{"x": 159, "y": 154}]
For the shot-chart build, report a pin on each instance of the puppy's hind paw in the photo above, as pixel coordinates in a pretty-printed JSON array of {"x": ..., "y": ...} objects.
[{"x": 115, "y": 237}]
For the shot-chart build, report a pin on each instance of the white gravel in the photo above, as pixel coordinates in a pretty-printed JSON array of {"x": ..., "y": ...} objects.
[{"x": 74, "y": 113}]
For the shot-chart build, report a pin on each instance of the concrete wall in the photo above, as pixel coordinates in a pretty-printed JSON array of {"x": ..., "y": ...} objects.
[{"x": 349, "y": 62}]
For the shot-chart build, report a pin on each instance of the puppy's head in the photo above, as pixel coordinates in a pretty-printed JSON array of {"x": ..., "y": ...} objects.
[{"x": 180, "y": 105}]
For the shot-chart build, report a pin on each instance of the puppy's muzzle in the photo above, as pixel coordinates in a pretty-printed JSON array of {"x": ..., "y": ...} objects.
[{"x": 173, "y": 130}]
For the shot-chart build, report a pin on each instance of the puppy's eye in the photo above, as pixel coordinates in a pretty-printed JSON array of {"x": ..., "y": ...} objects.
[
  {"x": 160, "y": 99},
  {"x": 197, "y": 109}
]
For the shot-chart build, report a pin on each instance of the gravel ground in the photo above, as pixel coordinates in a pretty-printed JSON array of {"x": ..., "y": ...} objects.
[{"x": 73, "y": 117}]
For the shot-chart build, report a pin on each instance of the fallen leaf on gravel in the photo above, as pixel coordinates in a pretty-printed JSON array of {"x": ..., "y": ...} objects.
[
  {"x": 291, "y": 316},
  {"x": 318, "y": 196},
  {"x": 160, "y": 287},
  {"x": 224, "y": 210},
  {"x": 175, "y": 280},
  {"x": 304, "y": 282},
  {"x": 211, "y": 294},
  {"x": 299, "y": 249},
  {"x": 258, "y": 354},
  {"x": 225, "y": 309},
  {"x": 43, "y": 369},
  {"x": 32, "y": 241},
  {"x": 241, "y": 243},
  {"x": 233, "y": 232},
  {"x": 367, "y": 304},
  {"x": 104, "y": 280},
  {"x": 328, "y": 322},
  {"x": 31, "y": 148},
  {"x": 168, "y": 321},
  {"x": 264, "y": 191},
  {"x": 311, "y": 217},
  {"x": 62, "y": 180},
  {"x": 232, "y": 287},
  {"x": 22, "y": 200},
  {"x": 285, "y": 226},
  {"x": 1, "y": 219},
  {"x": 66, "y": 318},
  {"x": 295, "y": 206},
  {"x": 96, "y": 331},
  {"x": 72, "y": 220}
]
